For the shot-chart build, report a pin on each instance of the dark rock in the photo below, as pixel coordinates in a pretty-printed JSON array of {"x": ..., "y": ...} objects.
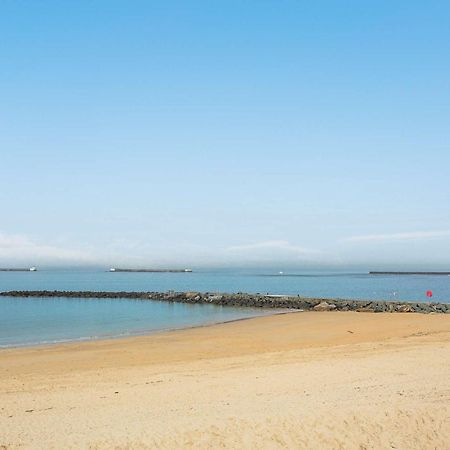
[{"x": 378, "y": 307}]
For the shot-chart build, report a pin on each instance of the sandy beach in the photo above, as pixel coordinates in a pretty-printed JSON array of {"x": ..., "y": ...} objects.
[{"x": 299, "y": 380}]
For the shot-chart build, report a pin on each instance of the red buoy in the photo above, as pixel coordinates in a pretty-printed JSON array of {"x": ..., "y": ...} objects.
[{"x": 429, "y": 294}]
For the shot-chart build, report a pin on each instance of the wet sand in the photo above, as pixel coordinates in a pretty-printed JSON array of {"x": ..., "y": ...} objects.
[{"x": 301, "y": 380}]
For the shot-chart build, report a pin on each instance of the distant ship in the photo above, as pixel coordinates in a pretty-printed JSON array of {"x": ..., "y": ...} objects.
[{"x": 114, "y": 269}]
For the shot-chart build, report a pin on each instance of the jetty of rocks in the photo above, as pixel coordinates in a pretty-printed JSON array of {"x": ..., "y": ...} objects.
[{"x": 251, "y": 300}]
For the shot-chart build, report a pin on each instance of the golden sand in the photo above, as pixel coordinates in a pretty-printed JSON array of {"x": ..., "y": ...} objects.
[{"x": 301, "y": 380}]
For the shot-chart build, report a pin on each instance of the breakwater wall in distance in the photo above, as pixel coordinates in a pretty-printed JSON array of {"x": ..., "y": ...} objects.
[
  {"x": 113, "y": 269},
  {"x": 410, "y": 273},
  {"x": 251, "y": 300}
]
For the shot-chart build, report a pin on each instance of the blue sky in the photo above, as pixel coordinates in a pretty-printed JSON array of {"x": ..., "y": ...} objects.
[{"x": 289, "y": 133}]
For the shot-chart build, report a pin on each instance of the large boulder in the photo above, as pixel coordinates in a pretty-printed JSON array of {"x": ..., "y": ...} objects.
[
  {"x": 324, "y": 306},
  {"x": 405, "y": 308}
]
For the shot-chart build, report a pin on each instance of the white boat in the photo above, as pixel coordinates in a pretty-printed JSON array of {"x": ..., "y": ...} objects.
[{"x": 33, "y": 269}]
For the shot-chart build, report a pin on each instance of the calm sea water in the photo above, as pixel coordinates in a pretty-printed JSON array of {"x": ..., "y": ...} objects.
[{"x": 33, "y": 321}]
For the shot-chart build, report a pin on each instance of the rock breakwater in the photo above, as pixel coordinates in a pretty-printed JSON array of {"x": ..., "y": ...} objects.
[{"x": 250, "y": 300}]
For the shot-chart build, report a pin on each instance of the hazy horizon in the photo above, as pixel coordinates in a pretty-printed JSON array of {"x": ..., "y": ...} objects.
[{"x": 275, "y": 135}]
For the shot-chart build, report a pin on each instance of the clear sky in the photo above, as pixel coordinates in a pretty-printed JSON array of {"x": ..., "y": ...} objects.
[{"x": 195, "y": 133}]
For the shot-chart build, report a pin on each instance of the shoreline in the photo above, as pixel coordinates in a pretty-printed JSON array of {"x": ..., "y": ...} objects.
[
  {"x": 363, "y": 327},
  {"x": 251, "y": 300},
  {"x": 138, "y": 334}
]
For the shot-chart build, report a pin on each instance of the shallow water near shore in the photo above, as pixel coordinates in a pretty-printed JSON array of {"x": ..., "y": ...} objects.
[
  {"x": 34, "y": 321},
  {"x": 49, "y": 320}
]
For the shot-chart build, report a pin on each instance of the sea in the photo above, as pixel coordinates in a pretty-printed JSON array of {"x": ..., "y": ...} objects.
[{"x": 38, "y": 321}]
